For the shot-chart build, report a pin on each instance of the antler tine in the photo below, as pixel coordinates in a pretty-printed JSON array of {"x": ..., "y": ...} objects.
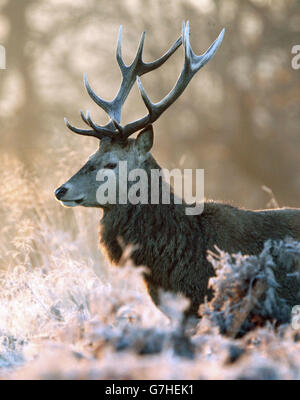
[
  {"x": 139, "y": 54},
  {"x": 198, "y": 62},
  {"x": 105, "y": 105},
  {"x": 119, "y": 57},
  {"x": 148, "y": 103},
  {"x": 147, "y": 67},
  {"x": 84, "y": 132},
  {"x": 103, "y": 131},
  {"x": 192, "y": 64},
  {"x": 83, "y": 117},
  {"x": 92, "y": 124},
  {"x": 99, "y": 132}
]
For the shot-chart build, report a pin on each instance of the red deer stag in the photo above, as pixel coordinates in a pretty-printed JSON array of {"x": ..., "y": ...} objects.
[{"x": 163, "y": 238}]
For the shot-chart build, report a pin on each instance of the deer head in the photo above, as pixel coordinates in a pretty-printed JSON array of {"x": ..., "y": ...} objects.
[{"x": 115, "y": 144}]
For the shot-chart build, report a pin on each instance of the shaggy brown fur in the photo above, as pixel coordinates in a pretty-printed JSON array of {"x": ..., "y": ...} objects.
[{"x": 174, "y": 246}]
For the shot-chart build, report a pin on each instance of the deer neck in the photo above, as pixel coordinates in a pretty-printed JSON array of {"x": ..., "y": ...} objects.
[{"x": 137, "y": 225}]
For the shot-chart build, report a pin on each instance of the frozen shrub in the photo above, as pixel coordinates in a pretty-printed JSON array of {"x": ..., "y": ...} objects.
[{"x": 251, "y": 290}]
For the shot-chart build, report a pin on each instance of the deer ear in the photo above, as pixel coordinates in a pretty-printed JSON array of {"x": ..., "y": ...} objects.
[{"x": 144, "y": 141}]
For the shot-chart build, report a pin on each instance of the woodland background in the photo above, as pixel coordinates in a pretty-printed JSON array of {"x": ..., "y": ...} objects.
[{"x": 238, "y": 119}]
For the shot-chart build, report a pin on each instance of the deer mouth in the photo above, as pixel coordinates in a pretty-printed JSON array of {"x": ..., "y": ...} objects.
[{"x": 72, "y": 203}]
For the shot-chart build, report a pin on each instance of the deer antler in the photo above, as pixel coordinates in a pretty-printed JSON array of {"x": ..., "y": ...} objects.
[
  {"x": 129, "y": 74},
  {"x": 192, "y": 64},
  {"x": 113, "y": 129}
]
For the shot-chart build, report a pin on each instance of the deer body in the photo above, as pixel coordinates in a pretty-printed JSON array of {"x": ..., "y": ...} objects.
[{"x": 172, "y": 245}]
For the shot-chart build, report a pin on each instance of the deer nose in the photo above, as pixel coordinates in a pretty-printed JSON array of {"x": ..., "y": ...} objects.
[{"x": 60, "y": 192}]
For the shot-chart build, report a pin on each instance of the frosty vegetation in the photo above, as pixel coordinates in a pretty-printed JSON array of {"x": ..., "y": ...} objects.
[{"x": 66, "y": 314}]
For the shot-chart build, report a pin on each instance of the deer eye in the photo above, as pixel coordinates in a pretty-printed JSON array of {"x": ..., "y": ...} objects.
[
  {"x": 91, "y": 168},
  {"x": 110, "y": 165}
]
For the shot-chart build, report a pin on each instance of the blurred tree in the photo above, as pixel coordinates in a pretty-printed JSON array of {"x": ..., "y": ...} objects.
[{"x": 27, "y": 106}]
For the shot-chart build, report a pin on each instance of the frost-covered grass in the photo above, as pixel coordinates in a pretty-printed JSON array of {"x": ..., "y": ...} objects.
[{"x": 65, "y": 313}]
